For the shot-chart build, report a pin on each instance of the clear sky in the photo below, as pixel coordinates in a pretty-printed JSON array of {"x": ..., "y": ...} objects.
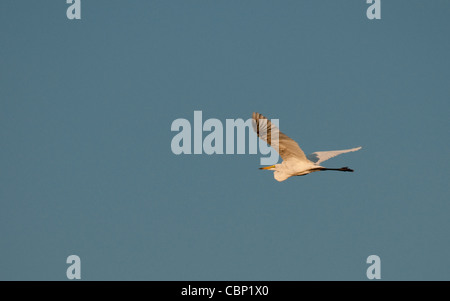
[{"x": 86, "y": 166}]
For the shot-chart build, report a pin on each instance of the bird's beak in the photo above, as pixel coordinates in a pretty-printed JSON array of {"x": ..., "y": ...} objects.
[{"x": 267, "y": 167}]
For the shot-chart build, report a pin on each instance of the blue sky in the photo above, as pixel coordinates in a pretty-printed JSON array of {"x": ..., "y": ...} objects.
[{"x": 86, "y": 166}]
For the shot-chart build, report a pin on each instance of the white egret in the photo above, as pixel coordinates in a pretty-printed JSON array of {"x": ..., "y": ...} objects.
[{"x": 295, "y": 162}]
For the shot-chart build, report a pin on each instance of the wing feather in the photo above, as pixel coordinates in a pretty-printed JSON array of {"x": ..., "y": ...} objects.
[
  {"x": 286, "y": 147},
  {"x": 319, "y": 157}
]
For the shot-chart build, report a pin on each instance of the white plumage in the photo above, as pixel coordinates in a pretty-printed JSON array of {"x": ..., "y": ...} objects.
[{"x": 295, "y": 162}]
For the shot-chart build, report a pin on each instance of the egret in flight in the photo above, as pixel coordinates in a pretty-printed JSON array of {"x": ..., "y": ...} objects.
[{"x": 295, "y": 162}]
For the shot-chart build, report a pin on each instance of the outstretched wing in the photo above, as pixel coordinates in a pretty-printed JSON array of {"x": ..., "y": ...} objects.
[
  {"x": 286, "y": 147},
  {"x": 319, "y": 157}
]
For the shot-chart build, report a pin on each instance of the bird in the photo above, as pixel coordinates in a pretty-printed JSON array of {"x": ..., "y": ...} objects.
[{"x": 295, "y": 162}]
